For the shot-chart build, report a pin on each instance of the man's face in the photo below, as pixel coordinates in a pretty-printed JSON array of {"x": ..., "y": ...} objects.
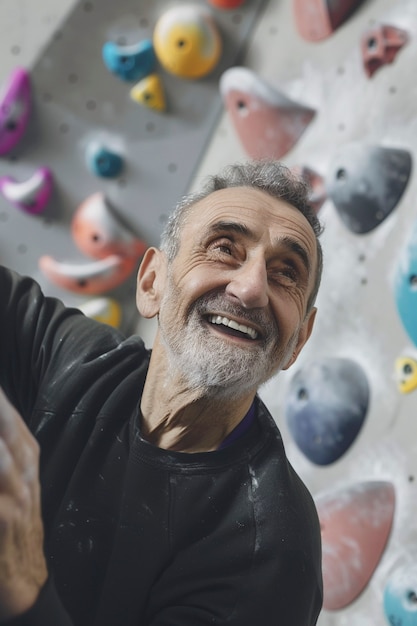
[{"x": 233, "y": 311}]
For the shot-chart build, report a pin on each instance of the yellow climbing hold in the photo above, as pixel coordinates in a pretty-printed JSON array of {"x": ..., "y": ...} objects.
[
  {"x": 187, "y": 41},
  {"x": 104, "y": 310},
  {"x": 406, "y": 374},
  {"x": 150, "y": 92}
]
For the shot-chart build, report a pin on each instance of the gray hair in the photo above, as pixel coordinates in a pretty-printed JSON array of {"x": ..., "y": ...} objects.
[{"x": 272, "y": 177}]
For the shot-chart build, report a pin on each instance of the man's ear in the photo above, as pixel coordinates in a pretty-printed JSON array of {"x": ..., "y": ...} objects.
[
  {"x": 150, "y": 282},
  {"x": 303, "y": 336}
]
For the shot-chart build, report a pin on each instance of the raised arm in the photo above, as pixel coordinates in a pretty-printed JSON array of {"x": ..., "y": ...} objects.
[
  {"x": 27, "y": 595},
  {"x": 23, "y": 569}
]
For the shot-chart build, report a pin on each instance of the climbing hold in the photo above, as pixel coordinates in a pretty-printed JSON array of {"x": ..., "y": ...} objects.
[
  {"x": 104, "y": 310},
  {"x": 400, "y": 596},
  {"x": 366, "y": 183},
  {"x": 102, "y": 161},
  {"x": 15, "y": 105},
  {"x": 99, "y": 232},
  {"x": 93, "y": 278},
  {"x": 316, "y": 183},
  {"x": 32, "y": 195},
  {"x": 380, "y": 45},
  {"x": 226, "y": 4},
  {"x": 150, "y": 92},
  {"x": 355, "y": 526},
  {"x": 405, "y": 285},
  {"x": 318, "y": 19},
  {"x": 267, "y": 122},
  {"x": 406, "y": 373},
  {"x": 187, "y": 41},
  {"x": 326, "y": 407},
  {"x": 130, "y": 62}
]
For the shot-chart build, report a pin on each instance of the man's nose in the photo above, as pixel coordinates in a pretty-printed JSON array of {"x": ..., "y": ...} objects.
[{"x": 249, "y": 284}]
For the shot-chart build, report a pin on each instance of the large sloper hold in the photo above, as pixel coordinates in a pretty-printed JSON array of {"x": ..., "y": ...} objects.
[
  {"x": 318, "y": 19},
  {"x": 356, "y": 523},
  {"x": 267, "y": 122},
  {"x": 366, "y": 182},
  {"x": 326, "y": 407}
]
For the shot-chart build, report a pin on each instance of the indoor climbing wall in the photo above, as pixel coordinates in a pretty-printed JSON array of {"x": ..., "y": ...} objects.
[
  {"x": 327, "y": 87},
  {"x": 101, "y": 133}
]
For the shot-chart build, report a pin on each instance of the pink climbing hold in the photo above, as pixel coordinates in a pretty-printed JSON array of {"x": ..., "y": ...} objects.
[
  {"x": 267, "y": 122},
  {"x": 355, "y": 525},
  {"x": 318, "y": 19},
  {"x": 15, "y": 105}
]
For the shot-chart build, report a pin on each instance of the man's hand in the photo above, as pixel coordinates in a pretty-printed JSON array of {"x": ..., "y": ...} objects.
[{"x": 23, "y": 569}]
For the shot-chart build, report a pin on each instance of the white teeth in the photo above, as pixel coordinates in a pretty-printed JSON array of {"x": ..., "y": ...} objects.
[{"x": 218, "y": 319}]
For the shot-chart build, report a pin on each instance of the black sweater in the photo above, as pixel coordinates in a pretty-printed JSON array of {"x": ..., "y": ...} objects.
[{"x": 137, "y": 535}]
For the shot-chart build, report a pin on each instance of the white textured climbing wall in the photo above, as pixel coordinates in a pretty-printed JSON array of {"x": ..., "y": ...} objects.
[
  {"x": 354, "y": 449},
  {"x": 347, "y": 408}
]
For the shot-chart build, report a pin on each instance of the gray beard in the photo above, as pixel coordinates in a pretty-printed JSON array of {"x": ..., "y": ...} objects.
[{"x": 213, "y": 365}]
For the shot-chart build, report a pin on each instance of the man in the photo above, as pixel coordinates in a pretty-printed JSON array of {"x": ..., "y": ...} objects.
[{"x": 166, "y": 495}]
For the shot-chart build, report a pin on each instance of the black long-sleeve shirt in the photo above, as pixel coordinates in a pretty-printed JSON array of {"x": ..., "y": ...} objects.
[{"x": 137, "y": 535}]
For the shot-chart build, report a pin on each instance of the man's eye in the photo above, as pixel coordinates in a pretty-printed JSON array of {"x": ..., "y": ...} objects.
[
  {"x": 290, "y": 272},
  {"x": 287, "y": 275},
  {"x": 224, "y": 247}
]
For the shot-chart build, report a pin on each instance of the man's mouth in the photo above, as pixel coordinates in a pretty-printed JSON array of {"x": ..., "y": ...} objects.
[{"x": 233, "y": 327}]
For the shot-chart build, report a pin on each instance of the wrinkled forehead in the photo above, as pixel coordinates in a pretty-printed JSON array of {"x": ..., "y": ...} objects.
[{"x": 260, "y": 212}]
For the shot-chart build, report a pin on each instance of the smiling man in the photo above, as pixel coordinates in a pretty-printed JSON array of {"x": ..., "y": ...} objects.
[
  {"x": 167, "y": 497},
  {"x": 232, "y": 306}
]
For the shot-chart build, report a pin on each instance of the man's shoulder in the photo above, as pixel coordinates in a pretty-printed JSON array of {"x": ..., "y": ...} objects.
[{"x": 279, "y": 478}]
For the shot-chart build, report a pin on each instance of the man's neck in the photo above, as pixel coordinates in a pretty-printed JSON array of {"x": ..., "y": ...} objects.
[{"x": 176, "y": 417}]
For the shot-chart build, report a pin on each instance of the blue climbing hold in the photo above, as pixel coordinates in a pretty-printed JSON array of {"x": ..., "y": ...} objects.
[
  {"x": 130, "y": 62},
  {"x": 405, "y": 284},
  {"x": 400, "y": 597},
  {"x": 326, "y": 407},
  {"x": 103, "y": 162}
]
